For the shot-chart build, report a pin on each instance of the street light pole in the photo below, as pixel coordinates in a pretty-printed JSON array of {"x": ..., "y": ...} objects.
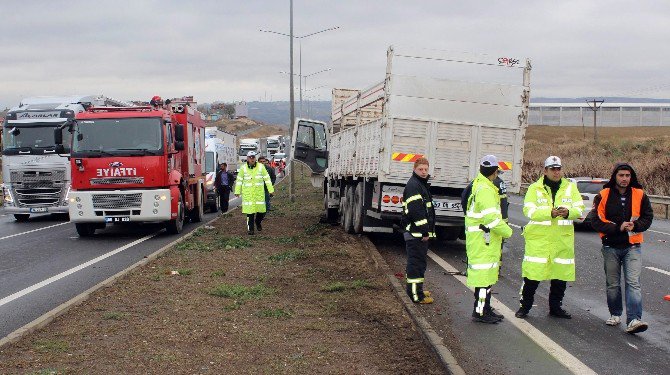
[
  {"x": 596, "y": 105},
  {"x": 300, "y": 38},
  {"x": 291, "y": 185}
]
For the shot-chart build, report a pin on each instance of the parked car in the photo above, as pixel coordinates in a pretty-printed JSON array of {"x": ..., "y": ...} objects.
[{"x": 589, "y": 187}]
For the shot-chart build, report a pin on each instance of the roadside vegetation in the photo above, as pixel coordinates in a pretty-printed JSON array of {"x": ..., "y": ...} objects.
[{"x": 646, "y": 148}]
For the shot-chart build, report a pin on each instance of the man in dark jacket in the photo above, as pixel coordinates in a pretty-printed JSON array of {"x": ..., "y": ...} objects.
[
  {"x": 621, "y": 212},
  {"x": 273, "y": 178},
  {"x": 418, "y": 221},
  {"x": 223, "y": 183}
]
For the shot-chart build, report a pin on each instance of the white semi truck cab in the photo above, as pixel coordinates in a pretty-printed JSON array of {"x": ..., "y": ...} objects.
[{"x": 36, "y": 179}]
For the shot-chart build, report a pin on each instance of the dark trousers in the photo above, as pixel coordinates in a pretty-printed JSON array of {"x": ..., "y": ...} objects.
[
  {"x": 556, "y": 293},
  {"x": 417, "y": 251},
  {"x": 482, "y": 300},
  {"x": 254, "y": 218},
  {"x": 224, "y": 197}
]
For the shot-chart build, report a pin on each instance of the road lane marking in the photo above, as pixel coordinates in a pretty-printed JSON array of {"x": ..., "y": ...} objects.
[
  {"x": 61, "y": 275},
  {"x": 514, "y": 225},
  {"x": 34, "y": 230},
  {"x": 550, "y": 346},
  {"x": 658, "y": 270},
  {"x": 655, "y": 231}
]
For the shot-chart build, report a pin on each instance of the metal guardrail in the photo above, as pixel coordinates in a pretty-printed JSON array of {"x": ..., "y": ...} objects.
[{"x": 654, "y": 199}]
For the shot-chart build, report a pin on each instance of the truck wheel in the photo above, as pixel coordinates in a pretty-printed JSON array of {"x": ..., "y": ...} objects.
[
  {"x": 348, "y": 219},
  {"x": 175, "y": 226},
  {"x": 343, "y": 206},
  {"x": 21, "y": 217},
  {"x": 357, "y": 208},
  {"x": 448, "y": 233},
  {"x": 198, "y": 212},
  {"x": 331, "y": 213},
  {"x": 84, "y": 229},
  {"x": 215, "y": 207}
]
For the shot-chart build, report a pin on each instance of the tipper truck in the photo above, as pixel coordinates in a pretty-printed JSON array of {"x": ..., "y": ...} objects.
[
  {"x": 440, "y": 109},
  {"x": 36, "y": 179},
  {"x": 138, "y": 164}
]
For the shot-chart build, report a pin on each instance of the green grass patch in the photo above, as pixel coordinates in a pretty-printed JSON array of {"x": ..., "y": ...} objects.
[
  {"x": 218, "y": 273},
  {"x": 361, "y": 284},
  {"x": 287, "y": 240},
  {"x": 240, "y": 292},
  {"x": 232, "y": 306},
  {"x": 52, "y": 346},
  {"x": 287, "y": 256},
  {"x": 194, "y": 245},
  {"x": 114, "y": 315},
  {"x": 155, "y": 277},
  {"x": 274, "y": 313},
  {"x": 233, "y": 243},
  {"x": 185, "y": 271},
  {"x": 48, "y": 371},
  {"x": 315, "y": 228},
  {"x": 335, "y": 287}
]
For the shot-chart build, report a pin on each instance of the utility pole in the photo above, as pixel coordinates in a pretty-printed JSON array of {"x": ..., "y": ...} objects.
[
  {"x": 596, "y": 105},
  {"x": 291, "y": 185}
]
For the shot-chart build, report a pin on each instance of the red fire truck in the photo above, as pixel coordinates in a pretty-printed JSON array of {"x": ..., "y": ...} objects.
[{"x": 136, "y": 164}]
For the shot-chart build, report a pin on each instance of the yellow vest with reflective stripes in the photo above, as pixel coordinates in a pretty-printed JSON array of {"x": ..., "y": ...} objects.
[
  {"x": 550, "y": 242},
  {"x": 484, "y": 249}
]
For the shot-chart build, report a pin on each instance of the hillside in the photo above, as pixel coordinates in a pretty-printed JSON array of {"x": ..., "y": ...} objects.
[{"x": 646, "y": 148}]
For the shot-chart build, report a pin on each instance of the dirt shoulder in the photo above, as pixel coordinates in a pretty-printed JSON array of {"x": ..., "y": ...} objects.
[{"x": 301, "y": 298}]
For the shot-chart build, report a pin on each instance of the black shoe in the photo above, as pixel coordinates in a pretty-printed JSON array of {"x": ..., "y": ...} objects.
[
  {"x": 259, "y": 227},
  {"x": 560, "y": 313},
  {"x": 489, "y": 319},
  {"x": 521, "y": 313},
  {"x": 251, "y": 232},
  {"x": 491, "y": 312}
]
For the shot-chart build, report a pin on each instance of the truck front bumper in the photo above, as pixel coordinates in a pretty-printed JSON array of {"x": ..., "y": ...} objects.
[
  {"x": 36, "y": 210},
  {"x": 120, "y": 206}
]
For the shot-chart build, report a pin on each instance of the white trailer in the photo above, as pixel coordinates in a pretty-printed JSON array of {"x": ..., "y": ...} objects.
[
  {"x": 220, "y": 147},
  {"x": 364, "y": 159},
  {"x": 36, "y": 179}
]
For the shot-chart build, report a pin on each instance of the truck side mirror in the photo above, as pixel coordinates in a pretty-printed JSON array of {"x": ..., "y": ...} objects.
[
  {"x": 179, "y": 135},
  {"x": 179, "y": 145},
  {"x": 58, "y": 137}
]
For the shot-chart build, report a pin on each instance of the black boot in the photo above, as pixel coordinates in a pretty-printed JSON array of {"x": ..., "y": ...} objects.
[
  {"x": 485, "y": 318},
  {"x": 490, "y": 311}
]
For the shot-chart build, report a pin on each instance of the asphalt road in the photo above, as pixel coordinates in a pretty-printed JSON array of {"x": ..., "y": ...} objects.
[
  {"x": 43, "y": 262},
  {"x": 582, "y": 344}
]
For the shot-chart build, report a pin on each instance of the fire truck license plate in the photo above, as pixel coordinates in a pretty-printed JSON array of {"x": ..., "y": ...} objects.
[
  {"x": 117, "y": 219},
  {"x": 445, "y": 205}
]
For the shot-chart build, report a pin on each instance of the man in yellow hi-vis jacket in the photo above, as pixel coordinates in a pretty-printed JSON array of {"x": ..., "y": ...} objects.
[
  {"x": 484, "y": 231},
  {"x": 250, "y": 180},
  {"x": 551, "y": 204}
]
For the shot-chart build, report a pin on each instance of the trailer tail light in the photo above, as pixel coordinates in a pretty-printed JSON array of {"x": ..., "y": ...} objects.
[
  {"x": 395, "y": 199},
  {"x": 386, "y": 199}
]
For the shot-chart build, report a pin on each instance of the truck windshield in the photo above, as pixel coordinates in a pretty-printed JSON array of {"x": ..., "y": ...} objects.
[
  {"x": 209, "y": 162},
  {"x": 273, "y": 144},
  {"x": 244, "y": 150},
  {"x": 29, "y": 137},
  {"x": 126, "y": 136}
]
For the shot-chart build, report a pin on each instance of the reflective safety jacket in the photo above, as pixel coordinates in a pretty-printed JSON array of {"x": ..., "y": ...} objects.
[
  {"x": 418, "y": 217},
  {"x": 249, "y": 185},
  {"x": 550, "y": 242},
  {"x": 483, "y": 245}
]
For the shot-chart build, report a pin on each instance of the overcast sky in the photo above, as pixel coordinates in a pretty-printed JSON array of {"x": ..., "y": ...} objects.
[{"x": 214, "y": 50}]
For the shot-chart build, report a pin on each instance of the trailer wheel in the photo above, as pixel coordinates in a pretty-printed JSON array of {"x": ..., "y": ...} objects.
[
  {"x": 21, "y": 217},
  {"x": 357, "y": 207},
  {"x": 198, "y": 212},
  {"x": 331, "y": 213},
  {"x": 84, "y": 229},
  {"x": 215, "y": 207},
  {"x": 448, "y": 233},
  {"x": 175, "y": 226},
  {"x": 343, "y": 206},
  {"x": 348, "y": 219}
]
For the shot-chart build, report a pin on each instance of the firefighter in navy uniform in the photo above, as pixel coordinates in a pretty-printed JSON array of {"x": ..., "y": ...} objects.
[{"x": 418, "y": 221}]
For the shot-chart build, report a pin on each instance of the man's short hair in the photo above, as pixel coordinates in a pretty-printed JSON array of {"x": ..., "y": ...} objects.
[
  {"x": 420, "y": 161},
  {"x": 261, "y": 158},
  {"x": 226, "y": 164}
]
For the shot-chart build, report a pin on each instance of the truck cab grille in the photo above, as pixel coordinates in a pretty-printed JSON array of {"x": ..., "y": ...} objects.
[
  {"x": 117, "y": 201},
  {"x": 117, "y": 180},
  {"x": 38, "y": 188}
]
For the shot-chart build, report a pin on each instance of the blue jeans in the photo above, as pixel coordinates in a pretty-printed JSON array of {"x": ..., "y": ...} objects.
[
  {"x": 630, "y": 258},
  {"x": 267, "y": 200}
]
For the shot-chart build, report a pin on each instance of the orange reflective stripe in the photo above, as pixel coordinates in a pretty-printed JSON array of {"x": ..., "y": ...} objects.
[{"x": 636, "y": 204}]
